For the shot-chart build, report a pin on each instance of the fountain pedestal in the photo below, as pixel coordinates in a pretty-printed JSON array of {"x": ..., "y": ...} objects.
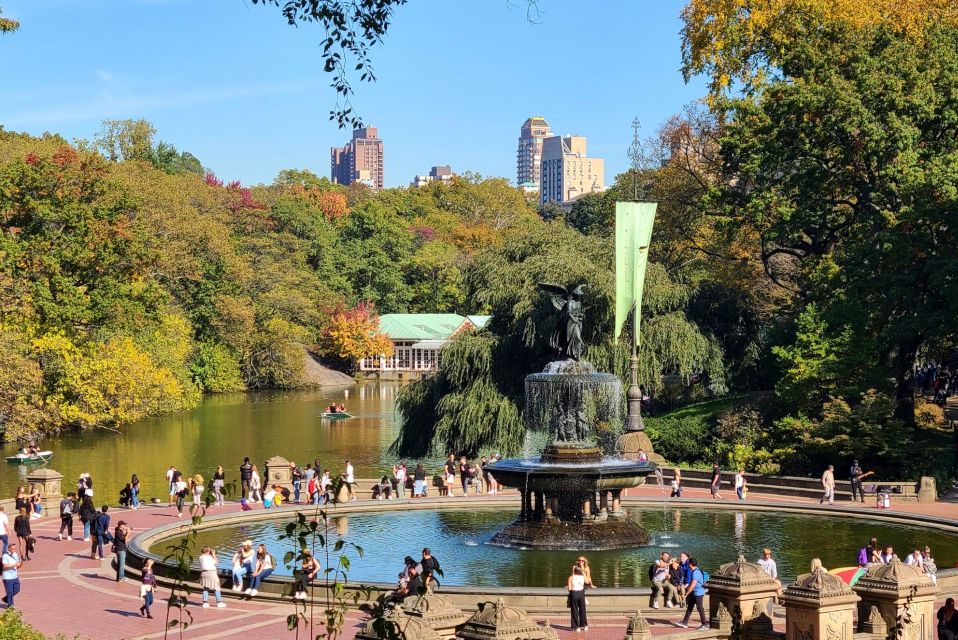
[{"x": 571, "y": 495}]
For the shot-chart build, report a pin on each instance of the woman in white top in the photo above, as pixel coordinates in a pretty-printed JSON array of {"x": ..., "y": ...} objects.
[
  {"x": 197, "y": 483},
  {"x": 740, "y": 484},
  {"x": 576, "y": 587},
  {"x": 209, "y": 579},
  {"x": 243, "y": 564},
  {"x": 268, "y": 497},
  {"x": 182, "y": 490},
  {"x": 399, "y": 472},
  {"x": 264, "y": 567},
  {"x": 255, "y": 486}
]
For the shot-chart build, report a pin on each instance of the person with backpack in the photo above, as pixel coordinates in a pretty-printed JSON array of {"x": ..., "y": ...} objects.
[
  {"x": 100, "y": 533},
  {"x": 695, "y": 596},
  {"x": 67, "y": 507},
  {"x": 87, "y": 514}
]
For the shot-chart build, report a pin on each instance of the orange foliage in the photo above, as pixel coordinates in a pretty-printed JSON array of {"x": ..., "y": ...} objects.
[{"x": 354, "y": 333}]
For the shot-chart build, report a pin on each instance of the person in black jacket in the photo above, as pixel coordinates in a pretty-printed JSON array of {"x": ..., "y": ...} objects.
[
  {"x": 99, "y": 533},
  {"x": 246, "y": 474},
  {"x": 430, "y": 565},
  {"x": 68, "y": 507},
  {"x": 87, "y": 514},
  {"x": 120, "y": 535}
]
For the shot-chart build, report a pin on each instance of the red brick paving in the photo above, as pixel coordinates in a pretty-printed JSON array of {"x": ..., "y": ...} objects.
[{"x": 64, "y": 591}]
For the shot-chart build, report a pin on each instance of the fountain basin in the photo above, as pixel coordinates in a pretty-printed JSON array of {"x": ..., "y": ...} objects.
[{"x": 604, "y": 475}]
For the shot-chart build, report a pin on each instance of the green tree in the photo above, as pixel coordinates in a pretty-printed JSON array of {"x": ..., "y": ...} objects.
[
  {"x": 125, "y": 139},
  {"x": 8, "y": 25}
]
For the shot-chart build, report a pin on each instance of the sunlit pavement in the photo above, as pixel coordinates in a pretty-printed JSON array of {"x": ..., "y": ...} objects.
[{"x": 64, "y": 591}]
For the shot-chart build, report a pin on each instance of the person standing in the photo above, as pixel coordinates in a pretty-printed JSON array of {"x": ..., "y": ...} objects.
[
  {"x": 740, "y": 484},
  {"x": 87, "y": 514},
  {"x": 246, "y": 477},
  {"x": 196, "y": 486},
  {"x": 21, "y": 526},
  {"x": 255, "y": 485},
  {"x": 181, "y": 491},
  {"x": 120, "y": 534},
  {"x": 10, "y": 563},
  {"x": 419, "y": 482},
  {"x": 4, "y": 530},
  {"x": 828, "y": 484},
  {"x": 450, "y": 471},
  {"x": 716, "y": 482},
  {"x": 135, "y": 491},
  {"x": 695, "y": 596},
  {"x": 677, "y": 483},
  {"x": 99, "y": 532},
  {"x": 219, "y": 481},
  {"x": 771, "y": 568},
  {"x": 430, "y": 565},
  {"x": 464, "y": 475},
  {"x": 170, "y": 481},
  {"x": 67, "y": 508},
  {"x": 399, "y": 473},
  {"x": 350, "y": 478},
  {"x": 146, "y": 588},
  {"x": 297, "y": 475},
  {"x": 576, "y": 586},
  {"x": 209, "y": 578}
]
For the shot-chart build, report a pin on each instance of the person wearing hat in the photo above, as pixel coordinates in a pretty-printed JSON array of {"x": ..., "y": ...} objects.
[{"x": 855, "y": 476}]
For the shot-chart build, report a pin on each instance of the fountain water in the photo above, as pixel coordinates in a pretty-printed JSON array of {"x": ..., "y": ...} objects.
[{"x": 571, "y": 494}]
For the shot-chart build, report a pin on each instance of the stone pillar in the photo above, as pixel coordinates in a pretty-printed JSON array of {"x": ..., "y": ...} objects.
[
  {"x": 904, "y": 597},
  {"x": 739, "y": 586},
  {"x": 48, "y": 483},
  {"x": 587, "y": 508},
  {"x": 278, "y": 473},
  {"x": 819, "y": 606},
  {"x": 604, "y": 501},
  {"x": 617, "y": 502},
  {"x": 927, "y": 490}
]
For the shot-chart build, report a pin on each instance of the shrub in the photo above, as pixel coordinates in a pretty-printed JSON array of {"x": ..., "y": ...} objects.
[{"x": 929, "y": 415}]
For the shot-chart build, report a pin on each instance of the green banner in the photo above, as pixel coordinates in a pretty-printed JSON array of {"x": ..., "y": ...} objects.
[{"x": 633, "y": 232}]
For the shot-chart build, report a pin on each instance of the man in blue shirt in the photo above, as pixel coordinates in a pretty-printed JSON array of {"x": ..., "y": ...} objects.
[
  {"x": 695, "y": 596},
  {"x": 10, "y": 562}
]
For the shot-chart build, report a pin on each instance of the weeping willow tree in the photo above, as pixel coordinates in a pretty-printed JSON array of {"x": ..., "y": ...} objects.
[{"x": 474, "y": 402}]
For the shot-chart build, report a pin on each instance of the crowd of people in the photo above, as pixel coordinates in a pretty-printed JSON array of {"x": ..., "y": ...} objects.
[
  {"x": 919, "y": 557},
  {"x": 937, "y": 380}
]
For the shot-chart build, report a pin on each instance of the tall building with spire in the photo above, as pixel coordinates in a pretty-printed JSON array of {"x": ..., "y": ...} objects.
[
  {"x": 361, "y": 160},
  {"x": 529, "y": 154}
]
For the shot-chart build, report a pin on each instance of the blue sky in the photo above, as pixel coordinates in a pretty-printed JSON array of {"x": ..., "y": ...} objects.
[{"x": 236, "y": 86}]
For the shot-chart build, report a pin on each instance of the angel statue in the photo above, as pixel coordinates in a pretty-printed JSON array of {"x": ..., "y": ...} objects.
[{"x": 567, "y": 336}]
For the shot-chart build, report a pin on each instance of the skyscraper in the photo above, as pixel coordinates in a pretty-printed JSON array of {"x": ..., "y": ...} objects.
[
  {"x": 567, "y": 172},
  {"x": 529, "y": 155},
  {"x": 359, "y": 161}
]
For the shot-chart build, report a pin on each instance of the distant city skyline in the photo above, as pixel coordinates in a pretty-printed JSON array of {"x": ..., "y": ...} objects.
[{"x": 234, "y": 85}]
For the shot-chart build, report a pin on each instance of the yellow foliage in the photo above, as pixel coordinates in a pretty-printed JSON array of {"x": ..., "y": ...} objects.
[
  {"x": 929, "y": 415},
  {"x": 731, "y": 39},
  {"x": 108, "y": 383}
]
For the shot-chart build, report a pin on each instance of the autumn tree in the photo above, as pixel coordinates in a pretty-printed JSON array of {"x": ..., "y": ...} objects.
[
  {"x": 8, "y": 25},
  {"x": 354, "y": 334}
]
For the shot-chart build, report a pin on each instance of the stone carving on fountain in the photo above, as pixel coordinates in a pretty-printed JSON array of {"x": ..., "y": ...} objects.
[
  {"x": 496, "y": 621},
  {"x": 571, "y": 495}
]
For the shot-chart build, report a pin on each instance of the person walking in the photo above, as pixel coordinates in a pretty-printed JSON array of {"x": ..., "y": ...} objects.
[
  {"x": 209, "y": 578},
  {"x": 265, "y": 563},
  {"x": 147, "y": 586},
  {"x": 99, "y": 532},
  {"x": 120, "y": 535},
  {"x": 677, "y": 483},
  {"x": 716, "y": 482},
  {"x": 695, "y": 596},
  {"x": 21, "y": 526},
  {"x": 741, "y": 484},
  {"x": 255, "y": 485},
  {"x": 197, "y": 488},
  {"x": 828, "y": 484},
  {"x": 246, "y": 477},
  {"x": 350, "y": 478},
  {"x": 219, "y": 481},
  {"x": 450, "y": 478},
  {"x": 181, "y": 490},
  {"x": 135, "y": 491},
  {"x": 67, "y": 508},
  {"x": 576, "y": 586},
  {"x": 10, "y": 563},
  {"x": 465, "y": 475}
]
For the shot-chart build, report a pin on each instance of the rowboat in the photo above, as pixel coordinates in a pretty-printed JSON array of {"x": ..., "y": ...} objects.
[
  {"x": 336, "y": 415},
  {"x": 24, "y": 458}
]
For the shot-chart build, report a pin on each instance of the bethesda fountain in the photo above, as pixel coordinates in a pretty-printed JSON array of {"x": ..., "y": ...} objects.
[{"x": 571, "y": 494}]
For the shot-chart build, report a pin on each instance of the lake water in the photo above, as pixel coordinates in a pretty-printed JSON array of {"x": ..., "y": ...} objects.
[{"x": 223, "y": 430}]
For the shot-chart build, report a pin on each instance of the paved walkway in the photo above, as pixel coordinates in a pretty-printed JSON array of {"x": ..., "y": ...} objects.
[{"x": 63, "y": 590}]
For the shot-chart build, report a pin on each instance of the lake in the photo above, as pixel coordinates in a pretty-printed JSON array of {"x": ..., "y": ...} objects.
[{"x": 222, "y": 430}]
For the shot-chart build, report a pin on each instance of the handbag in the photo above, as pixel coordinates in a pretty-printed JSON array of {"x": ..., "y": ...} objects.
[{"x": 568, "y": 600}]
